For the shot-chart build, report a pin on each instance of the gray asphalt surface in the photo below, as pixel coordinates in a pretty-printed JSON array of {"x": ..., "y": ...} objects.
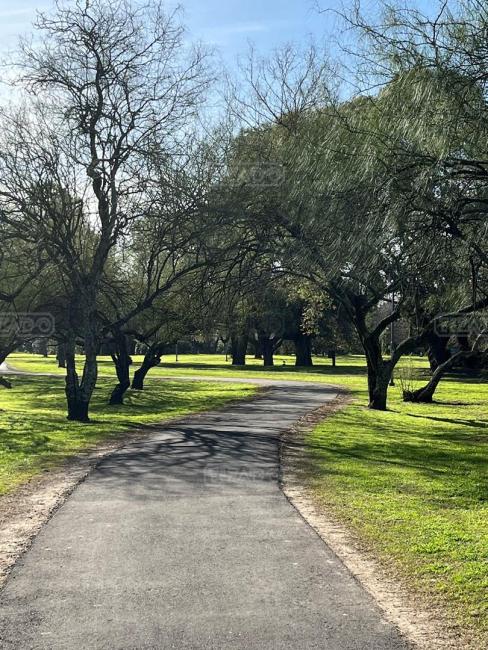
[{"x": 185, "y": 540}]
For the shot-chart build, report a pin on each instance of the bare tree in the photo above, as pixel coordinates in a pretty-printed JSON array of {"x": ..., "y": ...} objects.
[{"x": 112, "y": 83}]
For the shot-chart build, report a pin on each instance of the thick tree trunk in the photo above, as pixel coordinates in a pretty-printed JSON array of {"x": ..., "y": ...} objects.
[
  {"x": 72, "y": 390},
  {"x": 140, "y": 376},
  {"x": 78, "y": 394},
  {"x": 239, "y": 344},
  {"x": 437, "y": 350},
  {"x": 117, "y": 395},
  {"x": 151, "y": 359},
  {"x": 379, "y": 393},
  {"x": 371, "y": 378},
  {"x": 267, "y": 346},
  {"x": 78, "y": 410},
  {"x": 61, "y": 355},
  {"x": 122, "y": 362},
  {"x": 379, "y": 375},
  {"x": 303, "y": 350}
]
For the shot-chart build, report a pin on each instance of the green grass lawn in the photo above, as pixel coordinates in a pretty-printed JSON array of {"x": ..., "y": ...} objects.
[
  {"x": 206, "y": 364},
  {"x": 35, "y": 435},
  {"x": 350, "y": 370},
  {"x": 411, "y": 483}
]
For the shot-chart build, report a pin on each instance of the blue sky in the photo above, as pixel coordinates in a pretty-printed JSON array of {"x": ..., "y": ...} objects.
[{"x": 228, "y": 25}]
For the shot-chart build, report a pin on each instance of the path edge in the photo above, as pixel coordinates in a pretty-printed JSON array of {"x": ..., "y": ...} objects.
[
  {"x": 423, "y": 628},
  {"x": 30, "y": 506}
]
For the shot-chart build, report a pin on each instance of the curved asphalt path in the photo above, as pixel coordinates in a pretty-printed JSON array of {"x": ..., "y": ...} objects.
[{"x": 185, "y": 540}]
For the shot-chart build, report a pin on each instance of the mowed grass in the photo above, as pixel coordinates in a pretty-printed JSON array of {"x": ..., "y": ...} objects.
[
  {"x": 35, "y": 435},
  {"x": 350, "y": 370},
  {"x": 188, "y": 364},
  {"x": 412, "y": 484}
]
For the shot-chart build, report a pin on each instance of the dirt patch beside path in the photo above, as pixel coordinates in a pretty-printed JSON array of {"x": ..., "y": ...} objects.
[{"x": 426, "y": 627}]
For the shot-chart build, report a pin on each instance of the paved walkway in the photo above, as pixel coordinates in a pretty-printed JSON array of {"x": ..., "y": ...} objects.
[{"x": 184, "y": 540}]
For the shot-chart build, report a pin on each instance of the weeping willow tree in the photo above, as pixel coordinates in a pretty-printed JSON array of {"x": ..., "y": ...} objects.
[
  {"x": 434, "y": 109},
  {"x": 432, "y": 113},
  {"x": 330, "y": 216},
  {"x": 365, "y": 195}
]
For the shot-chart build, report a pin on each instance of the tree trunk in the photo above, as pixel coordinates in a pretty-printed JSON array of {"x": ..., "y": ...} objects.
[
  {"x": 61, "y": 355},
  {"x": 78, "y": 410},
  {"x": 239, "y": 344},
  {"x": 425, "y": 394},
  {"x": 303, "y": 350},
  {"x": 371, "y": 378},
  {"x": 140, "y": 375},
  {"x": 151, "y": 359},
  {"x": 379, "y": 370},
  {"x": 379, "y": 394},
  {"x": 78, "y": 394},
  {"x": 267, "y": 346},
  {"x": 122, "y": 362},
  {"x": 437, "y": 350},
  {"x": 379, "y": 374}
]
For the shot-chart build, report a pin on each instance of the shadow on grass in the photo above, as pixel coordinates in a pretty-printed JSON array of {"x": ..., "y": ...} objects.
[
  {"x": 453, "y": 458},
  {"x": 33, "y": 422},
  {"x": 318, "y": 370},
  {"x": 464, "y": 422}
]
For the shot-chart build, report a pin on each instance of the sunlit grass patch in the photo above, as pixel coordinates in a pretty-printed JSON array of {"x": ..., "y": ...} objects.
[{"x": 412, "y": 483}]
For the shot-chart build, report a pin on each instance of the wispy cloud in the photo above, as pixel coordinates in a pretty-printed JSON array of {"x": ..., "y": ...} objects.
[{"x": 222, "y": 33}]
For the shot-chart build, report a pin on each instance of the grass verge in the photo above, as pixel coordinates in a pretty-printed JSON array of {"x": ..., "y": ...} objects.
[{"x": 412, "y": 484}]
